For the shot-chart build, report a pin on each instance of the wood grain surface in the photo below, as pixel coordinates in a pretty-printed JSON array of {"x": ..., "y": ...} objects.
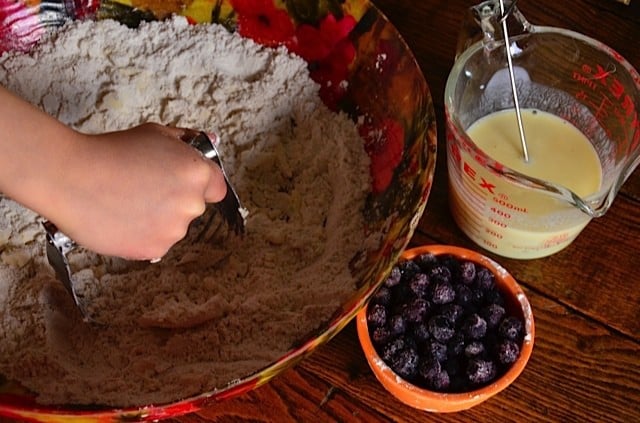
[{"x": 586, "y": 299}]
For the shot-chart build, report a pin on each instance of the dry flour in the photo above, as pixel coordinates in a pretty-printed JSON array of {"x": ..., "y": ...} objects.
[{"x": 210, "y": 311}]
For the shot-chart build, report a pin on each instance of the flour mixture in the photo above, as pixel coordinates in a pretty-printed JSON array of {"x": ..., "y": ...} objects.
[{"x": 211, "y": 311}]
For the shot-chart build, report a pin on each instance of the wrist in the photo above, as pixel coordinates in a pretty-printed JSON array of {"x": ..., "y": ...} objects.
[{"x": 35, "y": 153}]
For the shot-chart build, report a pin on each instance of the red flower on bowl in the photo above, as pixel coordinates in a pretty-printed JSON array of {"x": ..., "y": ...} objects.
[
  {"x": 329, "y": 52},
  {"x": 264, "y": 23}
]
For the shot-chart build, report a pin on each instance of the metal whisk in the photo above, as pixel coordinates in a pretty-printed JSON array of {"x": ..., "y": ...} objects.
[{"x": 503, "y": 20}]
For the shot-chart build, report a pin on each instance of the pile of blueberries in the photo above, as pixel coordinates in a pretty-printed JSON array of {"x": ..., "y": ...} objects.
[{"x": 442, "y": 324}]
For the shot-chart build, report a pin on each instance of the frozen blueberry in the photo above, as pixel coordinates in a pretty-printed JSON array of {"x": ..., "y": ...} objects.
[
  {"x": 410, "y": 342},
  {"x": 484, "y": 279},
  {"x": 394, "y": 277},
  {"x": 434, "y": 376},
  {"x": 397, "y": 325},
  {"x": 408, "y": 269},
  {"x": 481, "y": 371},
  {"x": 455, "y": 346},
  {"x": 452, "y": 312},
  {"x": 464, "y": 296},
  {"x": 435, "y": 350},
  {"x": 420, "y": 332},
  {"x": 477, "y": 296},
  {"x": 426, "y": 261},
  {"x": 508, "y": 352},
  {"x": 419, "y": 285},
  {"x": 438, "y": 381},
  {"x": 382, "y": 296},
  {"x": 376, "y": 315},
  {"x": 467, "y": 272},
  {"x": 380, "y": 335},
  {"x": 416, "y": 310},
  {"x": 474, "y": 327},
  {"x": 494, "y": 296},
  {"x": 440, "y": 273},
  {"x": 511, "y": 328},
  {"x": 442, "y": 293},
  {"x": 493, "y": 314},
  {"x": 429, "y": 366},
  {"x": 451, "y": 263},
  {"x": 392, "y": 348},
  {"x": 474, "y": 349},
  {"x": 405, "y": 363},
  {"x": 441, "y": 328}
]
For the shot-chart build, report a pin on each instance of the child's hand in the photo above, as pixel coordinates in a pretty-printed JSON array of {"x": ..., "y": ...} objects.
[
  {"x": 133, "y": 193},
  {"x": 130, "y": 193}
]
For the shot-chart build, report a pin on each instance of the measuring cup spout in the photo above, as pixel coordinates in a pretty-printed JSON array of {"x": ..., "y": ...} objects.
[
  {"x": 484, "y": 23},
  {"x": 604, "y": 202},
  {"x": 593, "y": 206}
]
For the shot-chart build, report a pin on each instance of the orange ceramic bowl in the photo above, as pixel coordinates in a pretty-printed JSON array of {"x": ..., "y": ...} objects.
[{"x": 442, "y": 402}]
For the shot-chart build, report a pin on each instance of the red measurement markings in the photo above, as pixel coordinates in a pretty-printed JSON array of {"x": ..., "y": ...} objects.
[
  {"x": 615, "y": 99},
  {"x": 493, "y": 233},
  {"x": 497, "y": 222},
  {"x": 588, "y": 82},
  {"x": 556, "y": 240},
  {"x": 508, "y": 205},
  {"x": 499, "y": 217},
  {"x": 501, "y": 213},
  {"x": 490, "y": 244},
  {"x": 487, "y": 187}
]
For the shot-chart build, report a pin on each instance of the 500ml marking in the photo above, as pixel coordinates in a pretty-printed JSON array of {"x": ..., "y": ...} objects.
[{"x": 503, "y": 200}]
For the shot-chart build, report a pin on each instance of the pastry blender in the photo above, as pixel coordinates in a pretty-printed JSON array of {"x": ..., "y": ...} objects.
[{"x": 59, "y": 244}]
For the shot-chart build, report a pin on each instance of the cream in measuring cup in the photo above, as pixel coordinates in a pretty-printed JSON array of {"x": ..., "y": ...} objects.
[
  {"x": 500, "y": 216},
  {"x": 579, "y": 102}
]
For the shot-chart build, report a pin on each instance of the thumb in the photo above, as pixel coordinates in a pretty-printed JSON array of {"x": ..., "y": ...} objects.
[{"x": 216, "y": 188}]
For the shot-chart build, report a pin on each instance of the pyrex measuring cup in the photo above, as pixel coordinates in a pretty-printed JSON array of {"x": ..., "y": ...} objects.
[{"x": 557, "y": 72}]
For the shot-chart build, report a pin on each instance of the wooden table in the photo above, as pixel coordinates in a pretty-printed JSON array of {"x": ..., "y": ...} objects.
[{"x": 586, "y": 299}]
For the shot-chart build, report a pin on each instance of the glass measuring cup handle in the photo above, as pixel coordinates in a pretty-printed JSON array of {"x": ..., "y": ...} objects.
[{"x": 483, "y": 22}]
